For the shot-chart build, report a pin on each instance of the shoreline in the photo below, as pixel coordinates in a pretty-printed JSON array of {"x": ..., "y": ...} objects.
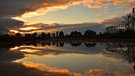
[{"x": 70, "y": 40}]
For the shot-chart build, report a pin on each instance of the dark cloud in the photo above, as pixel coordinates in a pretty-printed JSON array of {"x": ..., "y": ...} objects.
[
  {"x": 8, "y": 23},
  {"x": 13, "y": 8}
]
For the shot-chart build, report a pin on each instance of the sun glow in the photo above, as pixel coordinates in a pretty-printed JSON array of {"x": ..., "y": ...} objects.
[
  {"x": 28, "y": 28},
  {"x": 30, "y": 14},
  {"x": 15, "y": 48},
  {"x": 14, "y": 31}
]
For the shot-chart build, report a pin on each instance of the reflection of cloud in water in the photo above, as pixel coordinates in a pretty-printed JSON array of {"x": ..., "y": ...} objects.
[
  {"x": 96, "y": 60},
  {"x": 30, "y": 50},
  {"x": 77, "y": 63},
  {"x": 65, "y": 72},
  {"x": 112, "y": 56},
  {"x": 48, "y": 71},
  {"x": 43, "y": 50}
]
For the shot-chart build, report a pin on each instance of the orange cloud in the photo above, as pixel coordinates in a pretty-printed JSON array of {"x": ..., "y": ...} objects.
[
  {"x": 13, "y": 31},
  {"x": 29, "y": 8},
  {"x": 53, "y": 5},
  {"x": 28, "y": 28},
  {"x": 98, "y": 14},
  {"x": 46, "y": 69}
]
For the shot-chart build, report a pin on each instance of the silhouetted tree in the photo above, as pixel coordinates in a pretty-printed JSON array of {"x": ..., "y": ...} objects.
[
  {"x": 18, "y": 35},
  {"x": 66, "y": 35},
  {"x": 100, "y": 33},
  {"x": 75, "y": 34},
  {"x": 6, "y": 37},
  {"x": 127, "y": 23},
  {"x": 53, "y": 34},
  {"x": 34, "y": 34},
  {"x": 90, "y": 33},
  {"x": 43, "y": 35},
  {"x": 129, "y": 20},
  {"x": 49, "y": 35},
  {"x": 61, "y": 34},
  {"x": 57, "y": 34},
  {"x": 27, "y": 35}
]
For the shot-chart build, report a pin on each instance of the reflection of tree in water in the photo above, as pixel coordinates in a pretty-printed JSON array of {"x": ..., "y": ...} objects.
[
  {"x": 75, "y": 44},
  {"x": 61, "y": 44},
  {"x": 90, "y": 44},
  {"x": 45, "y": 43},
  {"x": 126, "y": 51},
  {"x": 34, "y": 43},
  {"x": 57, "y": 44},
  {"x": 49, "y": 43}
]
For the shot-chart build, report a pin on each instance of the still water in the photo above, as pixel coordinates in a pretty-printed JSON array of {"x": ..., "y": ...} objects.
[{"x": 67, "y": 59}]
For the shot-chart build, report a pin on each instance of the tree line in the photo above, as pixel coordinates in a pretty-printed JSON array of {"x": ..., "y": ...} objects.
[
  {"x": 43, "y": 36},
  {"x": 88, "y": 34}
]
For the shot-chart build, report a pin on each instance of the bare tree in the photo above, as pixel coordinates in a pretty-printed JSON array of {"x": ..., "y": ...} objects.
[{"x": 129, "y": 20}]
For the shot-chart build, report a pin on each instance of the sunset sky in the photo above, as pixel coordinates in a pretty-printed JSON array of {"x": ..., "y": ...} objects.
[{"x": 28, "y": 16}]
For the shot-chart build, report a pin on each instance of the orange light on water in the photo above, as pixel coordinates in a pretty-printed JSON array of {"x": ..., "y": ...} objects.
[{"x": 30, "y": 50}]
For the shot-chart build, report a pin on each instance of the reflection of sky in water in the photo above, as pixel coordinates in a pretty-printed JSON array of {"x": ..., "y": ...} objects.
[{"x": 77, "y": 60}]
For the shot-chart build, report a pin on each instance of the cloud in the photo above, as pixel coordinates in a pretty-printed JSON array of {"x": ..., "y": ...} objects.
[
  {"x": 126, "y": 5},
  {"x": 67, "y": 28},
  {"x": 55, "y": 50},
  {"x": 8, "y": 23},
  {"x": 111, "y": 21},
  {"x": 57, "y": 5},
  {"x": 18, "y": 7},
  {"x": 49, "y": 71},
  {"x": 14, "y": 8}
]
